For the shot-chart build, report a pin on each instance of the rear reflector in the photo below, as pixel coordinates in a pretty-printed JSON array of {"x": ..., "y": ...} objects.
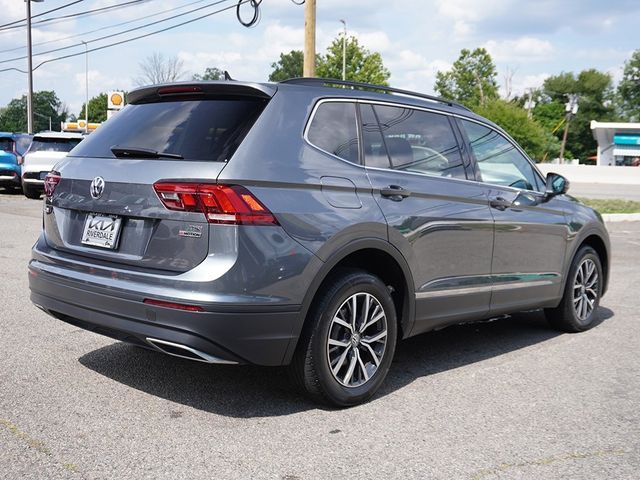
[
  {"x": 226, "y": 204},
  {"x": 175, "y": 306},
  {"x": 50, "y": 182}
]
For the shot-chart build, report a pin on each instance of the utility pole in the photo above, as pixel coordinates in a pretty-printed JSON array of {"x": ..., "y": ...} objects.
[
  {"x": 30, "y": 69},
  {"x": 571, "y": 107},
  {"x": 309, "y": 68},
  {"x": 86, "y": 86},
  {"x": 344, "y": 51}
]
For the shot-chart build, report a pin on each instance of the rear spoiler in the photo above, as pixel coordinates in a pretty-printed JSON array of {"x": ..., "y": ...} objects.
[{"x": 202, "y": 89}]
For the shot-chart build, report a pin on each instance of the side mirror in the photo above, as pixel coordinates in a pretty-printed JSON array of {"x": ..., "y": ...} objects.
[{"x": 555, "y": 185}]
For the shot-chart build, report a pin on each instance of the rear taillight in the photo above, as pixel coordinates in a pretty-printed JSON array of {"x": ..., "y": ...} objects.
[
  {"x": 50, "y": 182},
  {"x": 227, "y": 204}
]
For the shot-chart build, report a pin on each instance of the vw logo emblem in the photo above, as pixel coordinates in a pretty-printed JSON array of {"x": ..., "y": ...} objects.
[{"x": 97, "y": 187}]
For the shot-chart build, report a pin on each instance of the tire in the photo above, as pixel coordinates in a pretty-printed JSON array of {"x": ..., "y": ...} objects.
[
  {"x": 30, "y": 192},
  {"x": 578, "y": 309},
  {"x": 359, "y": 360}
]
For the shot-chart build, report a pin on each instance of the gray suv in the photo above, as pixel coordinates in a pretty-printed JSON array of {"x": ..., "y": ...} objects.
[{"x": 304, "y": 225}]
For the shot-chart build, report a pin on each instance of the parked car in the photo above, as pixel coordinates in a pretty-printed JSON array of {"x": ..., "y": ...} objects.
[
  {"x": 46, "y": 149},
  {"x": 11, "y": 151},
  {"x": 303, "y": 225}
]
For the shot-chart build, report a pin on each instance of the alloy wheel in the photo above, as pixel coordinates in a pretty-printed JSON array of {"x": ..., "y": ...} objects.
[{"x": 585, "y": 289}]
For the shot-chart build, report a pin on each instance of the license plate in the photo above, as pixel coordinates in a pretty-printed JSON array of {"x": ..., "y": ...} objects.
[{"x": 101, "y": 230}]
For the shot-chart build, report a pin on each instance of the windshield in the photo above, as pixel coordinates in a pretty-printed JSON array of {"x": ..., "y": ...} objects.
[
  {"x": 200, "y": 130},
  {"x": 43, "y": 144},
  {"x": 22, "y": 143},
  {"x": 6, "y": 144}
]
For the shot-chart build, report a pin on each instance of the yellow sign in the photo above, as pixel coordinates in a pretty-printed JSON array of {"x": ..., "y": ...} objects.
[{"x": 115, "y": 100}]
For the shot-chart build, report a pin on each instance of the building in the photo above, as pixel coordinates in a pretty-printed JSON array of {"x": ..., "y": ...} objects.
[{"x": 618, "y": 143}]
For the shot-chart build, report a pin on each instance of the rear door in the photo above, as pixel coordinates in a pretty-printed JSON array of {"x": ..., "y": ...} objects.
[
  {"x": 106, "y": 185},
  {"x": 437, "y": 218},
  {"x": 531, "y": 233}
]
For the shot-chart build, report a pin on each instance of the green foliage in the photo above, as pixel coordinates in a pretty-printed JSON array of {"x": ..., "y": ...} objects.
[
  {"x": 531, "y": 136},
  {"x": 629, "y": 88},
  {"x": 45, "y": 104},
  {"x": 289, "y": 66},
  {"x": 97, "y": 109},
  {"x": 595, "y": 102},
  {"x": 612, "y": 205},
  {"x": 472, "y": 79},
  {"x": 361, "y": 64},
  {"x": 210, "y": 73}
]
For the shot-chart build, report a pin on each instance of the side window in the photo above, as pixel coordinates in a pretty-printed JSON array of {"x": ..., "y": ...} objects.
[
  {"x": 415, "y": 141},
  {"x": 334, "y": 130},
  {"x": 498, "y": 159}
]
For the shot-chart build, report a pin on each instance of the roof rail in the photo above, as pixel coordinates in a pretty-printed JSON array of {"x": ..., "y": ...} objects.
[{"x": 370, "y": 86}]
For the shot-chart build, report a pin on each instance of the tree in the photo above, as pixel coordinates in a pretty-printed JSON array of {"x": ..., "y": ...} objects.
[
  {"x": 97, "y": 108},
  {"x": 471, "y": 80},
  {"x": 361, "y": 64},
  {"x": 159, "y": 69},
  {"x": 629, "y": 88},
  {"x": 530, "y": 135},
  {"x": 210, "y": 73},
  {"x": 46, "y": 105},
  {"x": 595, "y": 102},
  {"x": 289, "y": 66}
]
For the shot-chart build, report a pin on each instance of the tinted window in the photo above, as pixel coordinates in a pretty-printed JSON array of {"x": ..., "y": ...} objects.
[
  {"x": 334, "y": 130},
  {"x": 375, "y": 152},
  {"x": 498, "y": 159},
  {"x": 197, "y": 130},
  {"x": 416, "y": 141},
  {"x": 6, "y": 144},
  {"x": 22, "y": 143},
  {"x": 43, "y": 144}
]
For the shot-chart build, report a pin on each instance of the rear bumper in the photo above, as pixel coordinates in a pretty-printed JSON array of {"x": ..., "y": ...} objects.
[
  {"x": 9, "y": 174},
  {"x": 228, "y": 333}
]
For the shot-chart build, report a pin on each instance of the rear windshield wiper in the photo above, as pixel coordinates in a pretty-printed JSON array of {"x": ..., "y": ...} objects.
[{"x": 137, "y": 152}]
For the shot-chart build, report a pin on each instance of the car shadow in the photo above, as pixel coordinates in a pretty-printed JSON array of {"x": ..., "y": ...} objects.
[{"x": 252, "y": 391}]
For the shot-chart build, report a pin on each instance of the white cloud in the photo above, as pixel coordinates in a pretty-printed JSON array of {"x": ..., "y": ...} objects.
[{"x": 520, "y": 50}]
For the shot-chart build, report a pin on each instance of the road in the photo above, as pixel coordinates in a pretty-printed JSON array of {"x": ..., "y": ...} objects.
[
  {"x": 499, "y": 400},
  {"x": 605, "y": 191}
]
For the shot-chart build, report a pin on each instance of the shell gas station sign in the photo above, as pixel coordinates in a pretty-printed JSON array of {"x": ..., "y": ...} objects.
[{"x": 115, "y": 100}]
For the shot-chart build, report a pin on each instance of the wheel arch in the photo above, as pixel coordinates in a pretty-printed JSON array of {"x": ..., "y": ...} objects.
[
  {"x": 596, "y": 242},
  {"x": 375, "y": 256}
]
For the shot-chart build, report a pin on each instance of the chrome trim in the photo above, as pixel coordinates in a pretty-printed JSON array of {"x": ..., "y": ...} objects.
[
  {"x": 204, "y": 357},
  {"x": 495, "y": 286}
]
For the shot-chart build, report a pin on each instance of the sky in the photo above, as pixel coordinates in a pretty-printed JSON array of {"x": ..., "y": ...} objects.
[{"x": 528, "y": 40}]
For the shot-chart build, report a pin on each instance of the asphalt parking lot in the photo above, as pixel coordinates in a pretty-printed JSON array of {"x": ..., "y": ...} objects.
[{"x": 505, "y": 399}]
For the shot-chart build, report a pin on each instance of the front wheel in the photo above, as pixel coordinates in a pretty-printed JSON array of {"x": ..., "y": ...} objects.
[
  {"x": 346, "y": 351},
  {"x": 578, "y": 309}
]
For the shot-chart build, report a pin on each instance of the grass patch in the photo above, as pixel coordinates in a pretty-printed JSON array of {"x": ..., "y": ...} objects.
[{"x": 612, "y": 206}]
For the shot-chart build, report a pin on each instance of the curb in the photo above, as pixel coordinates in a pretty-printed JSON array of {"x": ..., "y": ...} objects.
[{"x": 621, "y": 217}]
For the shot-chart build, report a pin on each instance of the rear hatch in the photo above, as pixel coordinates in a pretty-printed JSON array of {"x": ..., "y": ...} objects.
[{"x": 105, "y": 196}]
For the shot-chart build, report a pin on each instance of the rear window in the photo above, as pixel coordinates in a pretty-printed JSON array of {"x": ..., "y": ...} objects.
[
  {"x": 198, "y": 130},
  {"x": 22, "y": 143},
  {"x": 43, "y": 144},
  {"x": 6, "y": 144}
]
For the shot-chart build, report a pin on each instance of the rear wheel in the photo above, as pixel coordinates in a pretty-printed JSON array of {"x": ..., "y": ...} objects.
[
  {"x": 31, "y": 192},
  {"x": 345, "y": 354},
  {"x": 578, "y": 310}
]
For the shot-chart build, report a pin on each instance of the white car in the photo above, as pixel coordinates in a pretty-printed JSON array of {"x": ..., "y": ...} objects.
[{"x": 47, "y": 149}]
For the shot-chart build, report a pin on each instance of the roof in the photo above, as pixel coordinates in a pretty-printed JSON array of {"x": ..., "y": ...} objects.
[
  {"x": 603, "y": 132},
  {"x": 64, "y": 135}
]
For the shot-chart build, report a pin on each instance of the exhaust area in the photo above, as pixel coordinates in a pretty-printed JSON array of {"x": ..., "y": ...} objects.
[{"x": 183, "y": 351}]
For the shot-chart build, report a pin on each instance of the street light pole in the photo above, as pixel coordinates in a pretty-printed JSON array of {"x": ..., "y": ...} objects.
[
  {"x": 86, "y": 85},
  {"x": 30, "y": 69},
  {"x": 344, "y": 51}
]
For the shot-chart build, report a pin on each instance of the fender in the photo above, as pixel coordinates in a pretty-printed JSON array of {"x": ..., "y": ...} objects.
[
  {"x": 365, "y": 243},
  {"x": 591, "y": 229}
]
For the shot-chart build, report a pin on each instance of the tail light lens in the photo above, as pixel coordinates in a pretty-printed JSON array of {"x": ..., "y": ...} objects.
[
  {"x": 50, "y": 182},
  {"x": 226, "y": 204}
]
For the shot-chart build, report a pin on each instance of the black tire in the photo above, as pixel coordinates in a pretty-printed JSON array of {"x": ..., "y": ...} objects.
[
  {"x": 311, "y": 364},
  {"x": 568, "y": 316},
  {"x": 31, "y": 192}
]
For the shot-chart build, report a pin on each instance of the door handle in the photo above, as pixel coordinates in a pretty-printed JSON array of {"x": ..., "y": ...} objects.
[
  {"x": 500, "y": 203},
  {"x": 395, "y": 192}
]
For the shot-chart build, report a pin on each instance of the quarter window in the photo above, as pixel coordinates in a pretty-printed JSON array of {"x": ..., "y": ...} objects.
[
  {"x": 499, "y": 161},
  {"x": 334, "y": 130},
  {"x": 410, "y": 140}
]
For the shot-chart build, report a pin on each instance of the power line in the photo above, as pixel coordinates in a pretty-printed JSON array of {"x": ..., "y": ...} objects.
[
  {"x": 171, "y": 27},
  {"x": 107, "y": 27},
  {"x": 40, "y": 14},
  {"x": 64, "y": 18},
  {"x": 129, "y": 30}
]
